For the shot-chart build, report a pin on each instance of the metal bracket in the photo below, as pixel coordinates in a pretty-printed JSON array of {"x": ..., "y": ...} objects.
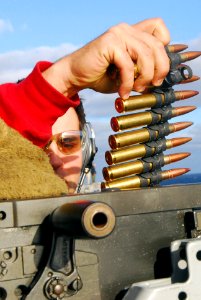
[{"x": 185, "y": 280}]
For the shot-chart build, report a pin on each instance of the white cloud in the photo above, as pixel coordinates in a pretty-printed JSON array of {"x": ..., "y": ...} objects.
[
  {"x": 6, "y": 25},
  {"x": 17, "y": 64}
]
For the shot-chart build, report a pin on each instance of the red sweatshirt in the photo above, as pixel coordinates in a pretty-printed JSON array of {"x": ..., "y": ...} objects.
[{"x": 33, "y": 105}]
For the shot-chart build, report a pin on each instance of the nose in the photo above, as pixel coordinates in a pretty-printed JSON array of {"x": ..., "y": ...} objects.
[{"x": 55, "y": 160}]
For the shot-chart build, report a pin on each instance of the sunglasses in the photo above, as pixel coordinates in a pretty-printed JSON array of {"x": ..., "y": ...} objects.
[{"x": 68, "y": 142}]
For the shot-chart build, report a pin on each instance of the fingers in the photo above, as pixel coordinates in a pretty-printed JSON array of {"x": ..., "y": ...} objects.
[
  {"x": 125, "y": 65},
  {"x": 144, "y": 43},
  {"x": 152, "y": 61},
  {"x": 155, "y": 27}
]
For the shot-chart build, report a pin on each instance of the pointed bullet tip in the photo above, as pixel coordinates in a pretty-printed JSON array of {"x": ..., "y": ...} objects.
[
  {"x": 180, "y": 141},
  {"x": 181, "y": 125},
  {"x": 188, "y": 80},
  {"x": 177, "y": 47},
  {"x": 181, "y": 95},
  {"x": 189, "y": 55},
  {"x": 178, "y": 111},
  {"x": 174, "y": 173},
  {"x": 176, "y": 157}
]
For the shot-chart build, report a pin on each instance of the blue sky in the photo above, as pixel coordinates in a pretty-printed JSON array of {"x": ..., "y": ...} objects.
[{"x": 35, "y": 30}]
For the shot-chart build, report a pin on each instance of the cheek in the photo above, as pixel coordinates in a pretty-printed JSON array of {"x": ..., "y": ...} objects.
[
  {"x": 70, "y": 170},
  {"x": 55, "y": 156}
]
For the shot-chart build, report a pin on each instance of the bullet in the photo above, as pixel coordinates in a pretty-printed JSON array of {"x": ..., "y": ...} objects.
[
  {"x": 175, "y": 142},
  {"x": 144, "y": 135},
  {"x": 179, "y": 58},
  {"x": 149, "y": 117},
  {"x": 186, "y": 56},
  {"x": 143, "y": 180},
  {"x": 176, "y": 48},
  {"x": 152, "y": 100},
  {"x": 141, "y": 165},
  {"x": 169, "y": 174},
  {"x": 182, "y": 110},
  {"x": 143, "y": 150},
  {"x": 192, "y": 79}
]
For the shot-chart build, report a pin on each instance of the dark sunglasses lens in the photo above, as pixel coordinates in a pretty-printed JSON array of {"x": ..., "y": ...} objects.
[{"x": 68, "y": 144}]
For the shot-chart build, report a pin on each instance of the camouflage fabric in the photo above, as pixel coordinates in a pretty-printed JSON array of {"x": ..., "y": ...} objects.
[{"x": 25, "y": 171}]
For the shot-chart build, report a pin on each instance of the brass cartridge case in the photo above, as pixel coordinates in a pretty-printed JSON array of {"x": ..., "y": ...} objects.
[
  {"x": 127, "y": 153},
  {"x": 135, "y": 102},
  {"x": 128, "y": 138},
  {"x": 131, "y": 121},
  {"x": 124, "y": 183},
  {"x": 122, "y": 170}
]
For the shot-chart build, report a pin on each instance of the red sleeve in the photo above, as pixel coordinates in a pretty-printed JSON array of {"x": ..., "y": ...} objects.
[{"x": 33, "y": 105}]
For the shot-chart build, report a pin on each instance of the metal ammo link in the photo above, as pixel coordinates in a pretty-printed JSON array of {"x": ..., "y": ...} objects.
[
  {"x": 154, "y": 176},
  {"x": 158, "y": 131},
  {"x": 159, "y": 145},
  {"x": 165, "y": 112},
  {"x": 157, "y": 161}
]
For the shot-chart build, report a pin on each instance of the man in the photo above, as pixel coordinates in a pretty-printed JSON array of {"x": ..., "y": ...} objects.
[{"x": 33, "y": 105}]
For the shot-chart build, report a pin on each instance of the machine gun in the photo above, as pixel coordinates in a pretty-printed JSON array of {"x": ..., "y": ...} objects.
[
  {"x": 43, "y": 256},
  {"x": 98, "y": 246}
]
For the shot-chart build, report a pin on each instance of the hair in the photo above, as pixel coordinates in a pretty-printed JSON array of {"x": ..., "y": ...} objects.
[{"x": 81, "y": 114}]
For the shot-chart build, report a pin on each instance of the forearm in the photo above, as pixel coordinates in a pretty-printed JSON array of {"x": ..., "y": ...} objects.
[{"x": 33, "y": 105}]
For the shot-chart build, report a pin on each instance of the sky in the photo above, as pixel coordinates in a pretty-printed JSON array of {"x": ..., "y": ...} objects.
[{"x": 46, "y": 30}]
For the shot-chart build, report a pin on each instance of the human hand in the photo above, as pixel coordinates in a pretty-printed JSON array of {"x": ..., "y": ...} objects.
[{"x": 122, "y": 45}]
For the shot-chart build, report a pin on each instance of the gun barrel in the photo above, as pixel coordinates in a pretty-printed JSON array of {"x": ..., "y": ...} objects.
[{"x": 84, "y": 219}]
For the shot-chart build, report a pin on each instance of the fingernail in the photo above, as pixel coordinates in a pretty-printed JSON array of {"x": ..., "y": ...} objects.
[
  {"x": 158, "y": 82},
  {"x": 126, "y": 96},
  {"x": 140, "y": 89}
]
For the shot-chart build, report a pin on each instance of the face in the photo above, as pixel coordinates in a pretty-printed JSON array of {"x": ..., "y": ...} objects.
[{"x": 67, "y": 167}]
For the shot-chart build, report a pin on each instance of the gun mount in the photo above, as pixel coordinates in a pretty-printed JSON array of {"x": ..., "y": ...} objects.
[{"x": 37, "y": 262}]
